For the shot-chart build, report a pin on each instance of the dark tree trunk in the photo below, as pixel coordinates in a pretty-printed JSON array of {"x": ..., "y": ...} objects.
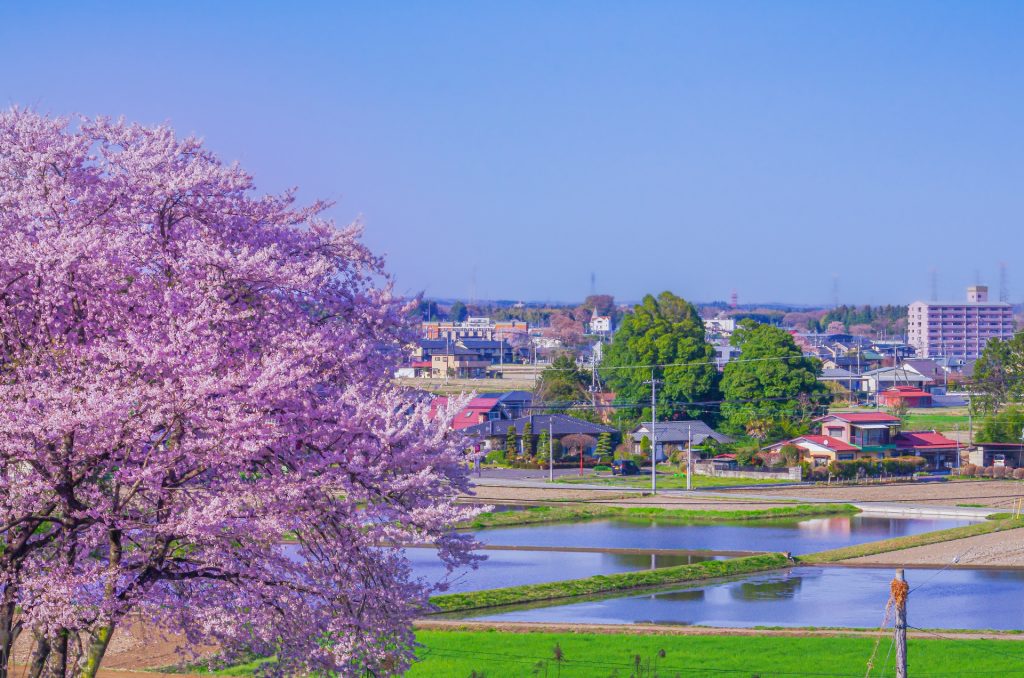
[
  {"x": 6, "y": 633},
  {"x": 40, "y": 653}
]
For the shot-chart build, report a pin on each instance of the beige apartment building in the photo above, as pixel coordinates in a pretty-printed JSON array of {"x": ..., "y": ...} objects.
[{"x": 958, "y": 329}]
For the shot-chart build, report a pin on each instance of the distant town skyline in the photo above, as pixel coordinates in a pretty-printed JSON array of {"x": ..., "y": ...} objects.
[{"x": 511, "y": 151}]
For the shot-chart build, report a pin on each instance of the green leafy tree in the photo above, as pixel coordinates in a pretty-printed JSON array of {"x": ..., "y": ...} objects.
[
  {"x": 1005, "y": 427},
  {"x": 604, "y": 445},
  {"x": 998, "y": 375},
  {"x": 510, "y": 443},
  {"x": 458, "y": 312},
  {"x": 667, "y": 332},
  {"x": 528, "y": 439},
  {"x": 543, "y": 445},
  {"x": 774, "y": 390},
  {"x": 562, "y": 384}
]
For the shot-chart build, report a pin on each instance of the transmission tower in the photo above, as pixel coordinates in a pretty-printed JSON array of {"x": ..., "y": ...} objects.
[{"x": 1004, "y": 284}]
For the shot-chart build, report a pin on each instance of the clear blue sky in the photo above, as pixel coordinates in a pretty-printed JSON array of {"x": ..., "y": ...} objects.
[{"x": 697, "y": 147}]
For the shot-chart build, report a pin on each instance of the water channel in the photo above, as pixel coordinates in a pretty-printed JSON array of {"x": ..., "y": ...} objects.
[{"x": 810, "y": 596}]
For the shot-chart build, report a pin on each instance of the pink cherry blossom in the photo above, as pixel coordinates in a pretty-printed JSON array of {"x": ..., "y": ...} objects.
[{"x": 189, "y": 371}]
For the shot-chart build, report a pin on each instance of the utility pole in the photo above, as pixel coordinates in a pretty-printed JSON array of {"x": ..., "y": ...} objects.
[
  {"x": 551, "y": 452},
  {"x": 689, "y": 456},
  {"x": 957, "y": 436},
  {"x": 900, "y": 589},
  {"x": 654, "y": 436}
]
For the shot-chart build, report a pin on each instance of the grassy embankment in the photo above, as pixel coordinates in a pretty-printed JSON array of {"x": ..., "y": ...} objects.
[
  {"x": 625, "y": 581},
  {"x": 554, "y": 514},
  {"x": 1001, "y": 522}
]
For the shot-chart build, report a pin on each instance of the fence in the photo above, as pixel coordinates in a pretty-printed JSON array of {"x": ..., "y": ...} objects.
[{"x": 718, "y": 470}]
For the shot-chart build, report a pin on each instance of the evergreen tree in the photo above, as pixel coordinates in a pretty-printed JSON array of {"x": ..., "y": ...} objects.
[
  {"x": 528, "y": 439},
  {"x": 511, "y": 449},
  {"x": 543, "y": 445},
  {"x": 604, "y": 445}
]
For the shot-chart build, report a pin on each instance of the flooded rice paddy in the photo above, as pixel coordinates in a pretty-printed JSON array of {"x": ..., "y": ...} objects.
[
  {"x": 514, "y": 568},
  {"x": 809, "y": 596},
  {"x": 796, "y": 536}
]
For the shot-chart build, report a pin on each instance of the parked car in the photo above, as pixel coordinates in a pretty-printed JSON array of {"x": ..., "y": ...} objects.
[{"x": 625, "y": 467}]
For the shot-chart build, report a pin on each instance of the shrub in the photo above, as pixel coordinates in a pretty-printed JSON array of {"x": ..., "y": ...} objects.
[
  {"x": 819, "y": 473},
  {"x": 805, "y": 469},
  {"x": 968, "y": 470},
  {"x": 986, "y": 472},
  {"x": 998, "y": 472},
  {"x": 790, "y": 454},
  {"x": 602, "y": 467},
  {"x": 496, "y": 456},
  {"x": 1018, "y": 473},
  {"x": 623, "y": 451}
]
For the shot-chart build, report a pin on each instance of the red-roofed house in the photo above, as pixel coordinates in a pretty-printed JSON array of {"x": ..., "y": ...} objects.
[
  {"x": 486, "y": 407},
  {"x": 911, "y": 396},
  {"x": 863, "y": 429},
  {"x": 820, "y": 450},
  {"x": 940, "y": 451},
  {"x": 857, "y": 435},
  {"x": 477, "y": 411}
]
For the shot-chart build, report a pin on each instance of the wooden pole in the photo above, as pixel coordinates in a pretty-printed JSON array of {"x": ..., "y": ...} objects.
[{"x": 899, "y": 589}]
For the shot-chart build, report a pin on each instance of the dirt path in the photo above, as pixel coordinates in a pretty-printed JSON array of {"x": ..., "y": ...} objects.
[
  {"x": 674, "y": 630},
  {"x": 132, "y": 649},
  {"x": 995, "y": 549},
  {"x": 532, "y": 495}
]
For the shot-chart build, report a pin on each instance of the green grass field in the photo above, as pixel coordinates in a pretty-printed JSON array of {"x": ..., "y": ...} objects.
[
  {"x": 513, "y": 655},
  {"x": 495, "y": 654},
  {"x": 924, "y": 420}
]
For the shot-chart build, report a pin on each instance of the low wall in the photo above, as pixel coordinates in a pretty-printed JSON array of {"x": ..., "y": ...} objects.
[{"x": 793, "y": 473}]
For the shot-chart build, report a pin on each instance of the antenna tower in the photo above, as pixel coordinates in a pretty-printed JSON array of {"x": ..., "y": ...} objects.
[
  {"x": 1004, "y": 285},
  {"x": 734, "y": 299}
]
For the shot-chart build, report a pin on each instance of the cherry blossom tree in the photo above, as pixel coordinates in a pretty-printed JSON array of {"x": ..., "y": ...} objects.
[{"x": 192, "y": 374}]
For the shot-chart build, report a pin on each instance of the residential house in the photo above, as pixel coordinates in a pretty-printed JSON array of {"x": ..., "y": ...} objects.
[
  {"x": 875, "y": 381},
  {"x": 819, "y": 450},
  {"x": 909, "y": 396},
  {"x": 458, "y": 362},
  {"x": 672, "y": 436},
  {"x": 486, "y": 407},
  {"x": 856, "y": 435},
  {"x": 492, "y": 434},
  {"x": 724, "y": 352}
]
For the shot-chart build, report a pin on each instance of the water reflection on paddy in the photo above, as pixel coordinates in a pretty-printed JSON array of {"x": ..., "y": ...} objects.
[
  {"x": 809, "y": 596},
  {"x": 797, "y": 536}
]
